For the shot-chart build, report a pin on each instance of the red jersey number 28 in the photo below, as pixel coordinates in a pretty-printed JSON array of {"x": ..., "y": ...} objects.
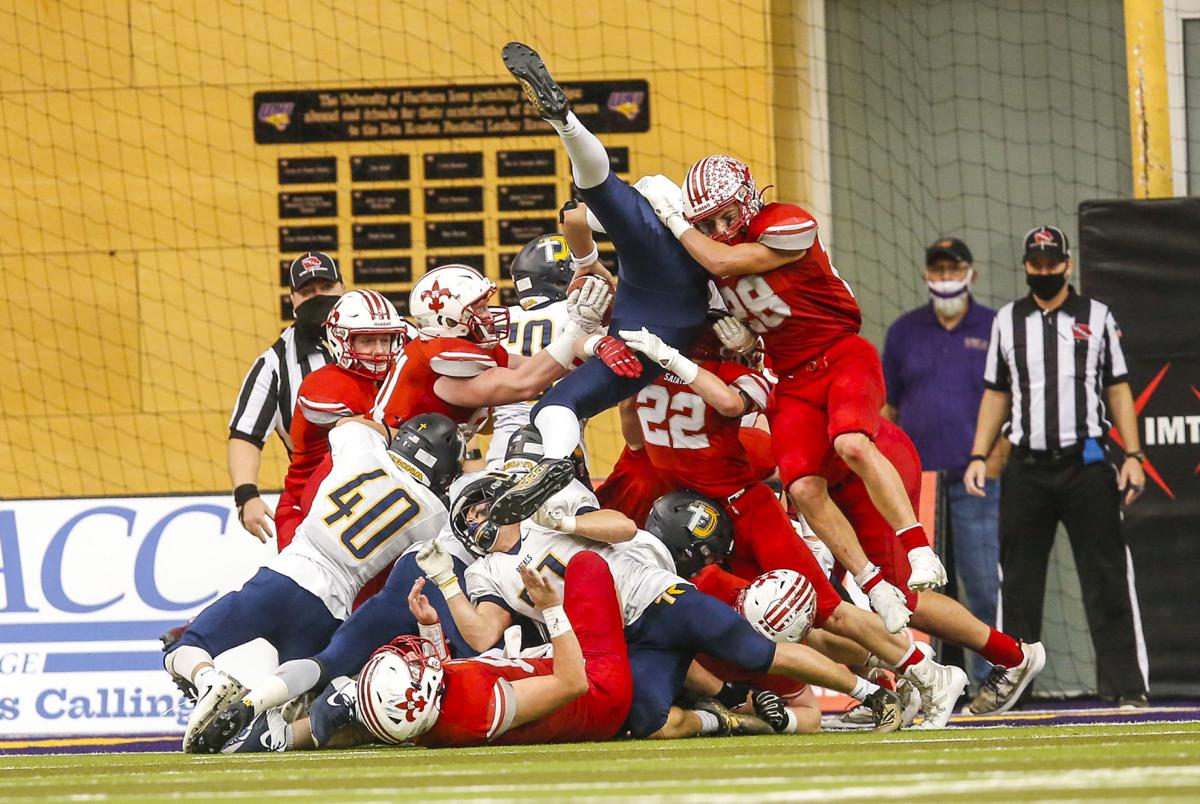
[{"x": 753, "y": 301}]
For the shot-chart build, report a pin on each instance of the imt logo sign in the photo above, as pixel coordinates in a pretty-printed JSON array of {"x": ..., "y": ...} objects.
[
  {"x": 1167, "y": 430},
  {"x": 1166, "y": 465}
]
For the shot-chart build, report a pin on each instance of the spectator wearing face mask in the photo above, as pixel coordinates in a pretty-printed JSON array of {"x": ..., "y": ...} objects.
[{"x": 933, "y": 363}]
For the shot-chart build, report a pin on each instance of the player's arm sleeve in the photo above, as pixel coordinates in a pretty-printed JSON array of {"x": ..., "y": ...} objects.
[
  {"x": 790, "y": 229},
  {"x": 257, "y": 411},
  {"x": 1115, "y": 369},
  {"x": 464, "y": 363},
  {"x": 995, "y": 370},
  {"x": 755, "y": 388},
  {"x": 503, "y": 708},
  {"x": 322, "y": 413}
]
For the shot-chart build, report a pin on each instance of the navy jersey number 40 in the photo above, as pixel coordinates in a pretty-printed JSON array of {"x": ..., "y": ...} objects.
[{"x": 393, "y": 511}]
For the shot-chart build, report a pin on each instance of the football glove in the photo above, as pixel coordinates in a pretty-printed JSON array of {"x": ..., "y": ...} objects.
[
  {"x": 886, "y": 599},
  {"x": 615, "y": 354},
  {"x": 554, "y": 518},
  {"x": 734, "y": 335},
  {"x": 437, "y": 564},
  {"x": 661, "y": 353},
  {"x": 587, "y": 304},
  {"x": 666, "y": 197}
]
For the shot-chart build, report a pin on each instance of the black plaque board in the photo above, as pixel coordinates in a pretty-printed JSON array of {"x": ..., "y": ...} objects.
[
  {"x": 373, "y": 270},
  {"x": 474, "y": 260},
  {"x": 450, "y": 234},
  {"x": 525, "y": 163},
  {"x": 380, "y": 202},
  {"x": 618, "y": 159},
  {"x": 308, "y": 205},
  {"x": 310, "y": 170},
  {"x": 508, "y": 296},
  {"x": 372, "y": 236},
  {"x": 440, "y": 112},
  {"x": 453, "y": 199},
  {"x": 308, "y": 238},
  {"x": 286, "y": 313},
  {"x": 399, "y": 300},
  {"x": 520, "y": 197},
  {"x": 391, "y": 167},
  {"x": 454, "y": 166},
  {"x": 519, "y": 231}
]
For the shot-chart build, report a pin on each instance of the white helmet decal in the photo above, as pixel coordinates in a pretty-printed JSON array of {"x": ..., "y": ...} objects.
[{"x": 447, "y": 302}]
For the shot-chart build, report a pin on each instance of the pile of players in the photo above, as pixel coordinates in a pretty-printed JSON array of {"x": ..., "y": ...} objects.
[{"x": 684, "y": 596}]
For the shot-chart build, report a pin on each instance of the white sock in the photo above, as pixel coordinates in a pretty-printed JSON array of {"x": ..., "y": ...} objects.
[
  {"x": 183, "y": 661},
  {"x": 708, "y": 722},
  {"x": 589, "y": 161},
  {"x": 559, "y": 427},
  {"x": 205, "y": 678},
  {"x": 272, "y": 691},
  {"x": 862, "y": 689}
]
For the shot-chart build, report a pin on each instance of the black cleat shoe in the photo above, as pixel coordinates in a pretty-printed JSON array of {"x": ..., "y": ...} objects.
[
  {"x": 771, "y": 708},
  {"x": 527, "y": 67},
  {"x": 539, "y": 484},
  {"x": 228, "y": 725},
  {"x": 885, "y": 709}
]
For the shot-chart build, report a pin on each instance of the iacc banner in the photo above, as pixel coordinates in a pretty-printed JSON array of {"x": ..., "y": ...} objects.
[
  {"x": 86, "y": 588},
  {"x": 1143, "y": 259}
]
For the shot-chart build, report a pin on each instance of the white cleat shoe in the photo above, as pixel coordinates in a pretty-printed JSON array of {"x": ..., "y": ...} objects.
[
  {"x": 927, "y": 570},
  {"x": 1003, "y": 687},
  {"x": 210, "y": 702},
  {"x": 910, "y": 703},
  {"x": 940, "y": 687}
]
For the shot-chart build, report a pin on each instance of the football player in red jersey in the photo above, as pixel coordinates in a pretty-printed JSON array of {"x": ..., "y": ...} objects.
[
  {"x": 581, "y": 694},
  {"x": 365, "y": 334},
  {"x": 691, "y": 422},
  {"x": 1015, "y": 664},
  {"x": 775, "y": 274},
  {"x": 458, "y": 367}
]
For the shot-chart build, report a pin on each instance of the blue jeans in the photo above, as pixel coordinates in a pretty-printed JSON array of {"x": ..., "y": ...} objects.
[{"x": 975, "y": 523}]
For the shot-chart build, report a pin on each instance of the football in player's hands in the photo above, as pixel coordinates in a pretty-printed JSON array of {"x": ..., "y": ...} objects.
[{"x": 589, "y": 297}]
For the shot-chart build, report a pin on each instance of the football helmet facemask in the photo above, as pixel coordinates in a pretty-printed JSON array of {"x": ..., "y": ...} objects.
[{"x": 364, "y": 312}]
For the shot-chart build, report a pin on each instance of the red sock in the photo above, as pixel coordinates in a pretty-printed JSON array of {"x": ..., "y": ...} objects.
[
  {"x": 912, "y": 657},
  {"x": 913, "y": 537},
  {"x": 1002, "y": 649}
]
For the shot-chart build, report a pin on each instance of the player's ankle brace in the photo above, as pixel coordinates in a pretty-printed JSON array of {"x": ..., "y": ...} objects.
[{"x": 556, "y": 620}]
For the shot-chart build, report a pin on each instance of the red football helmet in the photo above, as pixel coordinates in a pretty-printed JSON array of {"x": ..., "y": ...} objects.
[{"x": 713, "y": 185}]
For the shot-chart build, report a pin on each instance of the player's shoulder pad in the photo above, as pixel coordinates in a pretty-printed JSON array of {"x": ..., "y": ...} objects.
[
  {"x": 329, "y": 393},
  {"x": 458, "y": 357},
  {"x": 784, "y": 226}
]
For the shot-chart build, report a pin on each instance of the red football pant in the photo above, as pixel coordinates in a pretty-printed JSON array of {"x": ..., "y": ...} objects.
[
  {"x": 843, "y": 393},
  {"x": 764, "y": 540},
  {"x": 591, "y": 606},
  {"x": 633, "y": 486}
]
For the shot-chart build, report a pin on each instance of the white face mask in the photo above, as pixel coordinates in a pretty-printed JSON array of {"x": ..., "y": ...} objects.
[{"x": 949, "y": 296}]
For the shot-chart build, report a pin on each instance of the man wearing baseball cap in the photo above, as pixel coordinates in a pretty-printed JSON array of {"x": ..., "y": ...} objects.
[
  {"x": 1055, "y": 371},
  {"x": 933, "y": 366},
  {"x": 267, "y": 398}
]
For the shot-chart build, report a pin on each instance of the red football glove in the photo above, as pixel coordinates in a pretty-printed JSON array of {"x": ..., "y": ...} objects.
[{"x": 618, "y": 357}]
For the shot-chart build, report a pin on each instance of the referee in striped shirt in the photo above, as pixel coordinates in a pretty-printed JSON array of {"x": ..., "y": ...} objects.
[
  {"x": 1055, "y": 371},
  {"x": 268, "y": 395}
]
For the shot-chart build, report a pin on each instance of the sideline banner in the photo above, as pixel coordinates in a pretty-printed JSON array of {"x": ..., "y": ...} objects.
[
  {"x": 87, "y": 586},
  {"x": 1142, "y": 258}
]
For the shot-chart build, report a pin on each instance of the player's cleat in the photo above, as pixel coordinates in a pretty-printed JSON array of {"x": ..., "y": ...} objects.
[
  {"x": 530, "y": 71},
  {"x": 940, "y": 687},
  {"x": 267, "y": 732},
  {"x": 211, "y": 702},
  {"x": 733, "y": 724},
  {"x": 1135, "y": 701},
  {"x": 910, "y": 703},
  {"x": 927, "y": 570},
  {"x": 1003, "y": 686},
  {"x": 885, "y": 710},
  {"x": 333, "y": 709},
  {"x": 236, "y": 717},
  {"x": 550, "y": 476},
  {"x": 861, "y": 717}
]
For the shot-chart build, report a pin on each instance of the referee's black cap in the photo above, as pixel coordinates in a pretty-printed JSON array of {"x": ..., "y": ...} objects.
[
  {"x": 313, "y": 265},
  {"x": 950, "y": 247},
  {"x": 1047, "y": 241}
]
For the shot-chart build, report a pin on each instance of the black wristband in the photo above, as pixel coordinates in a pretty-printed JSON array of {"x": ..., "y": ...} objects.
[
  {"x": 1137, "y": 455},
  {"x": 977, "y": 458},
  {"x": 244, "y": 494}
]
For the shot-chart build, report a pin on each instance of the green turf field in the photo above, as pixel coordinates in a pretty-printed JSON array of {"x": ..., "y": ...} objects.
[{"x": 1145, "y": 762}]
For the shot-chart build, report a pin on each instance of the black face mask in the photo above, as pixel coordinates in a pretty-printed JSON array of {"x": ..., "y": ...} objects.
[
  {"x": 310, "y": 319},
  {"x": 1046, "y": 286}
]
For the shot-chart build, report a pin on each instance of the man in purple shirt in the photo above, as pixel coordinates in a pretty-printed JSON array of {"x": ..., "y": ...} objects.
[{"x": 933, "y": 363}]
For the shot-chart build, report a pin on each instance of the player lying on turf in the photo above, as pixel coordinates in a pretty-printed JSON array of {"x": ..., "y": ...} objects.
[
  {"x": 667, "y": 620},
  {"x": 378, "y": 499},
  {"x": 661, "y": 288},
  {"x": 776, "y": 275}
]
